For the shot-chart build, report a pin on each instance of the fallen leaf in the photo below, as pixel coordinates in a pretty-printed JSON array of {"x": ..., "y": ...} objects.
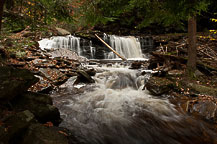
[
  {"x": 49, "y": 124},
  {"x": 61, "y": 132}
]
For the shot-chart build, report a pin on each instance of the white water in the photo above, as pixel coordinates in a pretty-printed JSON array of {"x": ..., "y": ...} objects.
[
  {"x": 116, "y": 100},
  {"x": 68, "y": 42},
  {"x": 128, "y": 47},
  {"x": 115, "y": 110}
]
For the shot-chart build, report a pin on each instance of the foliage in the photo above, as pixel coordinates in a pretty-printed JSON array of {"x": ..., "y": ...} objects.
[
  {"x": 37, "y": 12},
  {"x": 141, "y": 13},
  {"x": 135, "y": 14},
  {"x": 213, "y": 33}
]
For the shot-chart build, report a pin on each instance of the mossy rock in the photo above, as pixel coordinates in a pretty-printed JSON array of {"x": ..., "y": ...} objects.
[
  {"x": 15, "y": 126},
  {"x": 14, "y": 82},
  {"x": 40, "y": 105},
  {"x": 159, "y": 85},
  {"x": 40, "y": 134},
  {"x": 200, "y": 89}
]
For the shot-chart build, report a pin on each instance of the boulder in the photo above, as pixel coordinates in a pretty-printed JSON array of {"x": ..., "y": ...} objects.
[
  {"x": 41, "y": 134},
  {"x": 62, "y": 32},
  {"x": 83, "y": 77},
  {"x": 159, "y": 85},
  {"x": 91, "y": 72},
  {"x": 15, "y": 126},
  {"x": 136, "y": 65},
  {"x": 40, "y": 105},
  {"x": 54, "y": 75},
  {"x": 14, "y": 82},
  {"x": 204, "y": 108}
]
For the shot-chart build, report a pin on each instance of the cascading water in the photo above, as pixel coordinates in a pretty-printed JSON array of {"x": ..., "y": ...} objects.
[
  {"x": 128, "y": 46},
  {"x": 115, "y": 110},
  {"x": 56, "y": 42},
  {"x": 75, "y": 44}
]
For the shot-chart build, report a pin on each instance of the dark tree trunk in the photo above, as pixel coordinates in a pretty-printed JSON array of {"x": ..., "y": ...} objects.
[
  {"x": 192, "y": 49},
  {"x": 1, "y": 12}
]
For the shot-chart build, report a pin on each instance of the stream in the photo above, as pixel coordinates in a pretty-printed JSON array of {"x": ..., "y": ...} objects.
[{"x": 115, "y": 110}]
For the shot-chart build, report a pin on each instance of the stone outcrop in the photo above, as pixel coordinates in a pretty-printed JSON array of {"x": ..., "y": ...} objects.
[
  {"x": 40, "y": 134},
  {"x": 20, "y": 110},
  {"x": 83, "y": 77},
  {"x": 14, "y": 126},
  {"x": 40, "y": 105},
  {"x": 62, "y": 32},
  {"x": 203, "y": 106},
  {"x": 14, "y": 82},
  {"x": 159, "y": 85}
]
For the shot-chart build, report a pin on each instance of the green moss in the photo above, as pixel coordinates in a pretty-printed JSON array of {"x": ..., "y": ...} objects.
[{"x": 203, "y": 89}]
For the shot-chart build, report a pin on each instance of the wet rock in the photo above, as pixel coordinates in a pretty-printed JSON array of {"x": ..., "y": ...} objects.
[
  {"x": 14, "y": 82},
  {"x": 40, "y": 134},
  {"x": 175, "y": 72},
  {"x": 122, "y": 81},
  {"x": 64, "y": 53},
  {"x": 15, "y": 126},
  {"x": 46, "y": 90},
  {"x": 40, "y": 105},
  {"x": 62, "y": 32},
  {"x": 60, "y": 81},
  {"x": 51, "y": 74},
  {"x": 93, "y": 63},
  {"x": 159, "y": 74},
  {"x": 71, "y": 74},
  {"x": 54, "y": 76},
  {"x": 206, "y": 109},
  {"x": 136, "y": 65},
  {"x": 42, "y": 86},
  {"x": 91, "y": 72},
  {"x": 109, "y": 65},
  {"x": 158, "y": 85},
  {"x": 83, "y": 77}
]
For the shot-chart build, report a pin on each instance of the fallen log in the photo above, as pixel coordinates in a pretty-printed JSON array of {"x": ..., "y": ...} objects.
[
  {"x": 124, "y": 59},
  {"x": 183, "y": 60}
]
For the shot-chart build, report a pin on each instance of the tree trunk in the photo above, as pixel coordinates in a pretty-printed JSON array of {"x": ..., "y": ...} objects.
[
  {"x": 192, "y": 49},
  {"x": 1, "y": 12}
]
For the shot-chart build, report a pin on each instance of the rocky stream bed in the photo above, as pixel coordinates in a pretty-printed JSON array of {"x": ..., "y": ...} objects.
[{"x": 27, "y": 113}]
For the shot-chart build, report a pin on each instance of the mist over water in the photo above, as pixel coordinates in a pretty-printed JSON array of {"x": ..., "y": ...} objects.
[{"x": 115, "y": 110}]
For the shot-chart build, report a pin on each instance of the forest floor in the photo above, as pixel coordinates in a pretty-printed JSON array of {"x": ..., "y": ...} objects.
[{"x": 196, "y": 94}]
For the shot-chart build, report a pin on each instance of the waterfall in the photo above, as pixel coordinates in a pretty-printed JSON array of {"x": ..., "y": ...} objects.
[
  {"x": 128, "y": 46},
  {"x": 92, "y": 51},
  {"x": 62, "y": 42}
]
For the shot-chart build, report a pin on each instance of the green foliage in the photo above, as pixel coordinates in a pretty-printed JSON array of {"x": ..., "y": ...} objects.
[
  {"x": 142, "y": 13},
  {"x": 36, "y": 13}
]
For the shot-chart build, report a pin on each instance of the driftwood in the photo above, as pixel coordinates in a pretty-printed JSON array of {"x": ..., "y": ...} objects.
[
  {"x": 124, "y": 59},
  {"x": 201, "y": 66}
]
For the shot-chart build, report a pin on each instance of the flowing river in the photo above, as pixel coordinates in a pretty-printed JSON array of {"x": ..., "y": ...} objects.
[{"x": 115, "y": 110}]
